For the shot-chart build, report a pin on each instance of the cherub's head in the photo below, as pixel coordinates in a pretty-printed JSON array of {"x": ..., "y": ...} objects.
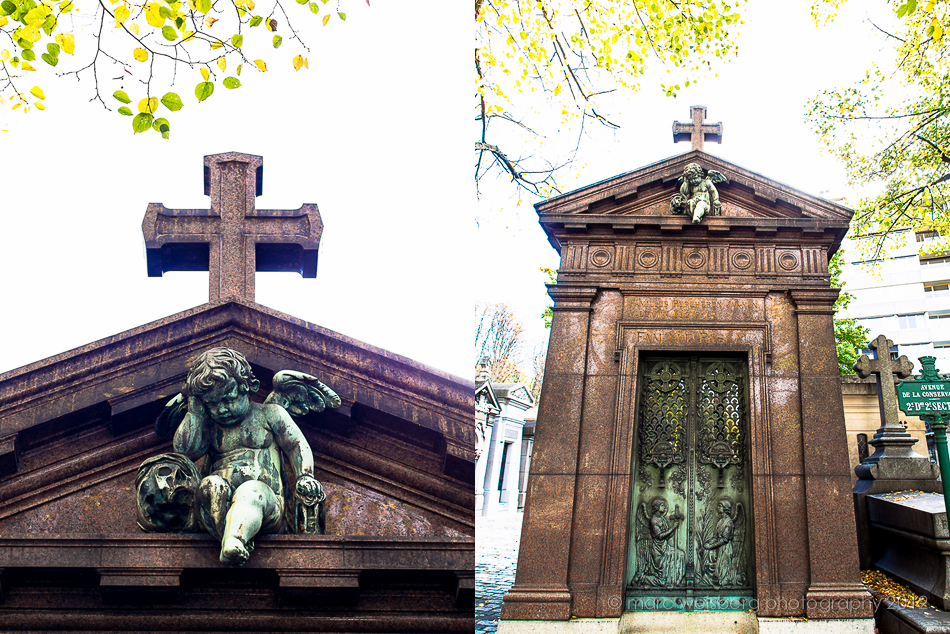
[
  {"x": 221, "y": 379},
  {"x": 693, "y": 174},
  {"x": 659, "y": 506}
]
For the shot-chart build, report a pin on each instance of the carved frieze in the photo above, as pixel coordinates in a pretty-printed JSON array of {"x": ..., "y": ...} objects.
[{"x": 694, "y": 259}]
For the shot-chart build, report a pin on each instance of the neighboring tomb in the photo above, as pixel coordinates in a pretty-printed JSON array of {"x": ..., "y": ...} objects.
[
  {"x": 690, "y": 450},
  {"x": 394, "y": 460}
]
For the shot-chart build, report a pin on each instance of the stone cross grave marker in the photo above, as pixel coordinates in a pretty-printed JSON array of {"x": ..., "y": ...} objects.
[
  {"x": 233, "y": 239},
  {"x": 697, "y": 131},
  {"x": 891, "y": 439}
]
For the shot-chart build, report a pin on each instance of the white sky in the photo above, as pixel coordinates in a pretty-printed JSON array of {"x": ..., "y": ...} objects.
[
  {"x": 759, "y": 97},
  {"x": 374, "y": 133}
]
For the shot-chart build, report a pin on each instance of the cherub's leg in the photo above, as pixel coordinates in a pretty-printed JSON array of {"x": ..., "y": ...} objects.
[
  {"x": 213, "y": 499},
  {"x": 253, "y": 504},
  {"x": 701, "y": 208}
]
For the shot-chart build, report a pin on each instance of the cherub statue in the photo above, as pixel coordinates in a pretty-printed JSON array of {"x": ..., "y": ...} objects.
[
  {"x": 659, "y": 561},
  {"x": 697, "y": 196},
  {"x": 721, "y": 556},
  {"x": 246, "y": 446}
]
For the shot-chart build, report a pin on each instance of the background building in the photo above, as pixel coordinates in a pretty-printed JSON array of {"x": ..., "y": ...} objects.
[{"x": 904, "y": 296}]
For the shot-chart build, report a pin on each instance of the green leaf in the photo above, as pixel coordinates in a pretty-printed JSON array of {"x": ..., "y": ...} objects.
[
  {"x": 165, "y": 13},
  {"x": 172, "y": 101},
  {"x": 256, "y": 20},
  {"x": 125, "y": 110},
  {"x": 301, "y": 1},
  {"x": 53, "y": 49},
  {"x": 204, "y": 6},
  {"x": 29, "y": 55},
  {"x": 169, "y": 33},
  {"x": 231, "y": 83},
  {"x": 314, "y": 8},
  {"x": 180, "y": 23},
  {"x": 277, "y": 40},
  {"x": 204, "y": 90},
  {"x": 7, "y": 7},
  {"x": 342, "y": 16},
  {"x": 49, "y": 59},
  {"x": 121, "y": 96},
  {"x": 237, "y": 40},
  {"x": 240, "y": 66},
  {"x": 161, "y": 125},
  {"x": 141, "y": 122}
]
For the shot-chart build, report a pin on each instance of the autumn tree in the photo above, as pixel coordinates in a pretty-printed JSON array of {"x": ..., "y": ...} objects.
[
  {"x": 149, "y": 46},
  {"x": 500, "y": 338},
  {"x": 890, "y": 128},
  {"x": 560, "y": 59}
]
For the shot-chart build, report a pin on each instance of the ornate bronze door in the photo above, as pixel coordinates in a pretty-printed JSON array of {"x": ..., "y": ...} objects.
[{"x": 690, "y": 545}]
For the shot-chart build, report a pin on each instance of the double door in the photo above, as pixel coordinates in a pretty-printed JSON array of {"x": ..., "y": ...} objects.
[{"x": 690, "y": 543}]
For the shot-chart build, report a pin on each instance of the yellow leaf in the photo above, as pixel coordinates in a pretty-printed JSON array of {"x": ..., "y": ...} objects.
[
  {"x": 25, "y": 65},
  {"x": 37, "y": 92},
  {"x": 204, "y": 73},
  {"x": 18, "y": 104},
  {"x": 3, "y": 20},
  {"x": 66, "y": 42},
  {"x": 306, "y": 64},
  {"x": 121, "y": 15},
  {"x": 30, "y": 32},
  {"x": 250, "y": 5},
  {"x": 149, "y": 105},
  {"x": 135, "y": 28},
  {"x": 209, "y": 21},
  {"x": 260, "y": 64},
  {"x": 326, "y": 19},
  {"x": 40, "y": 105},
  {"x": 298, "y": 62},
  {"x": 187, "y": 35},
  {"x": 140, "y": 54},
  {"x": 152, "y": 15},
  {"x": 217, "y": 44},
  {"x": 4, "y": 55},
  {"x": 222, "y": 64}
]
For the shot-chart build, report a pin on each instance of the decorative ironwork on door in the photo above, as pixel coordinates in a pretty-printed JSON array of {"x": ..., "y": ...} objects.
[{"x": 690, "y": 543}]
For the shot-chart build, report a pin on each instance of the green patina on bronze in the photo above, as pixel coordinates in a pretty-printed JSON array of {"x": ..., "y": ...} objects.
[{"x": 691, "y": 541}]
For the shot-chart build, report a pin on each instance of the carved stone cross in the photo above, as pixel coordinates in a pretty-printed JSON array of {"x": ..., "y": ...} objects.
[
  {"x": 233, "y": 239},
  {"x": 697, "y": 131},
  {"x": 886, "y": 370}
]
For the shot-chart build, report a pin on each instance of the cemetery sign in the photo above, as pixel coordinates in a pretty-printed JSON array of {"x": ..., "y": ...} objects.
[{"x": 923, "y": 397}]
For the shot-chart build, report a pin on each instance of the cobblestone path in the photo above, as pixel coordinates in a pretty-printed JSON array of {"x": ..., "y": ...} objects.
[{"x": 496, "y": 556}]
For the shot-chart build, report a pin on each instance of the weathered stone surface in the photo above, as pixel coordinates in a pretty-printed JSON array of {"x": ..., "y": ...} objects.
[
  {"x": 396, "y": 461},
  {"x": 751, "y": 285}
]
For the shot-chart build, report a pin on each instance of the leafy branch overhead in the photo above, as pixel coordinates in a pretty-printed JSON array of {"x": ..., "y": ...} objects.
[
  {"x": 563, "y": 57},
  {"x": 890, "y": 129},
  {"x": 145, "y": 49}
]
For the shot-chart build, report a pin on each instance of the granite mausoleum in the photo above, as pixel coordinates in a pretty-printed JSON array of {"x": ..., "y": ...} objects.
[
  {"x": 394, "y": 459},
  {"x": 690, "y": 451}
]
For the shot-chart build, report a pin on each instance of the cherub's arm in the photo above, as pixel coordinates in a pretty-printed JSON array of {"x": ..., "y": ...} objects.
[
  {"x": 193, "y": 437},
  {"x": 290, "y": 440}
]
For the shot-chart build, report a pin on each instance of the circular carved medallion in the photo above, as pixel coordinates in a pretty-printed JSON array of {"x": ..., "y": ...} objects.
[
  {"x": 788, "y": 261},
  {"x": 696, "y": 259},
  {"x": 742, "y": 260},
  {"x": 601, "y": 256},
  {"x": 647, "y": 259}
]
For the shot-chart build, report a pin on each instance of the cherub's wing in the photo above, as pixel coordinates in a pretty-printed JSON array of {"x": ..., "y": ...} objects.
[
  {"x": 716, "y": 177},
  {"x": 738, "y": 535},
  {"x": 168, "y": 421},
  {"x": 300, "y": 393}
]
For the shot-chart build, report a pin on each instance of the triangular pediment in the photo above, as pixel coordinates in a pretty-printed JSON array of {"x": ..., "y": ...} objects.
[
  {"x": 647, "y": 192},
  {"x": 396, "y": 459}
]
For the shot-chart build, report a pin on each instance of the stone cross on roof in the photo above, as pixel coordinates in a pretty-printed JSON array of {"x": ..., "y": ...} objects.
[
  {"x": 697, "y": 131},
  {"x": 233, "y": 239}
]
